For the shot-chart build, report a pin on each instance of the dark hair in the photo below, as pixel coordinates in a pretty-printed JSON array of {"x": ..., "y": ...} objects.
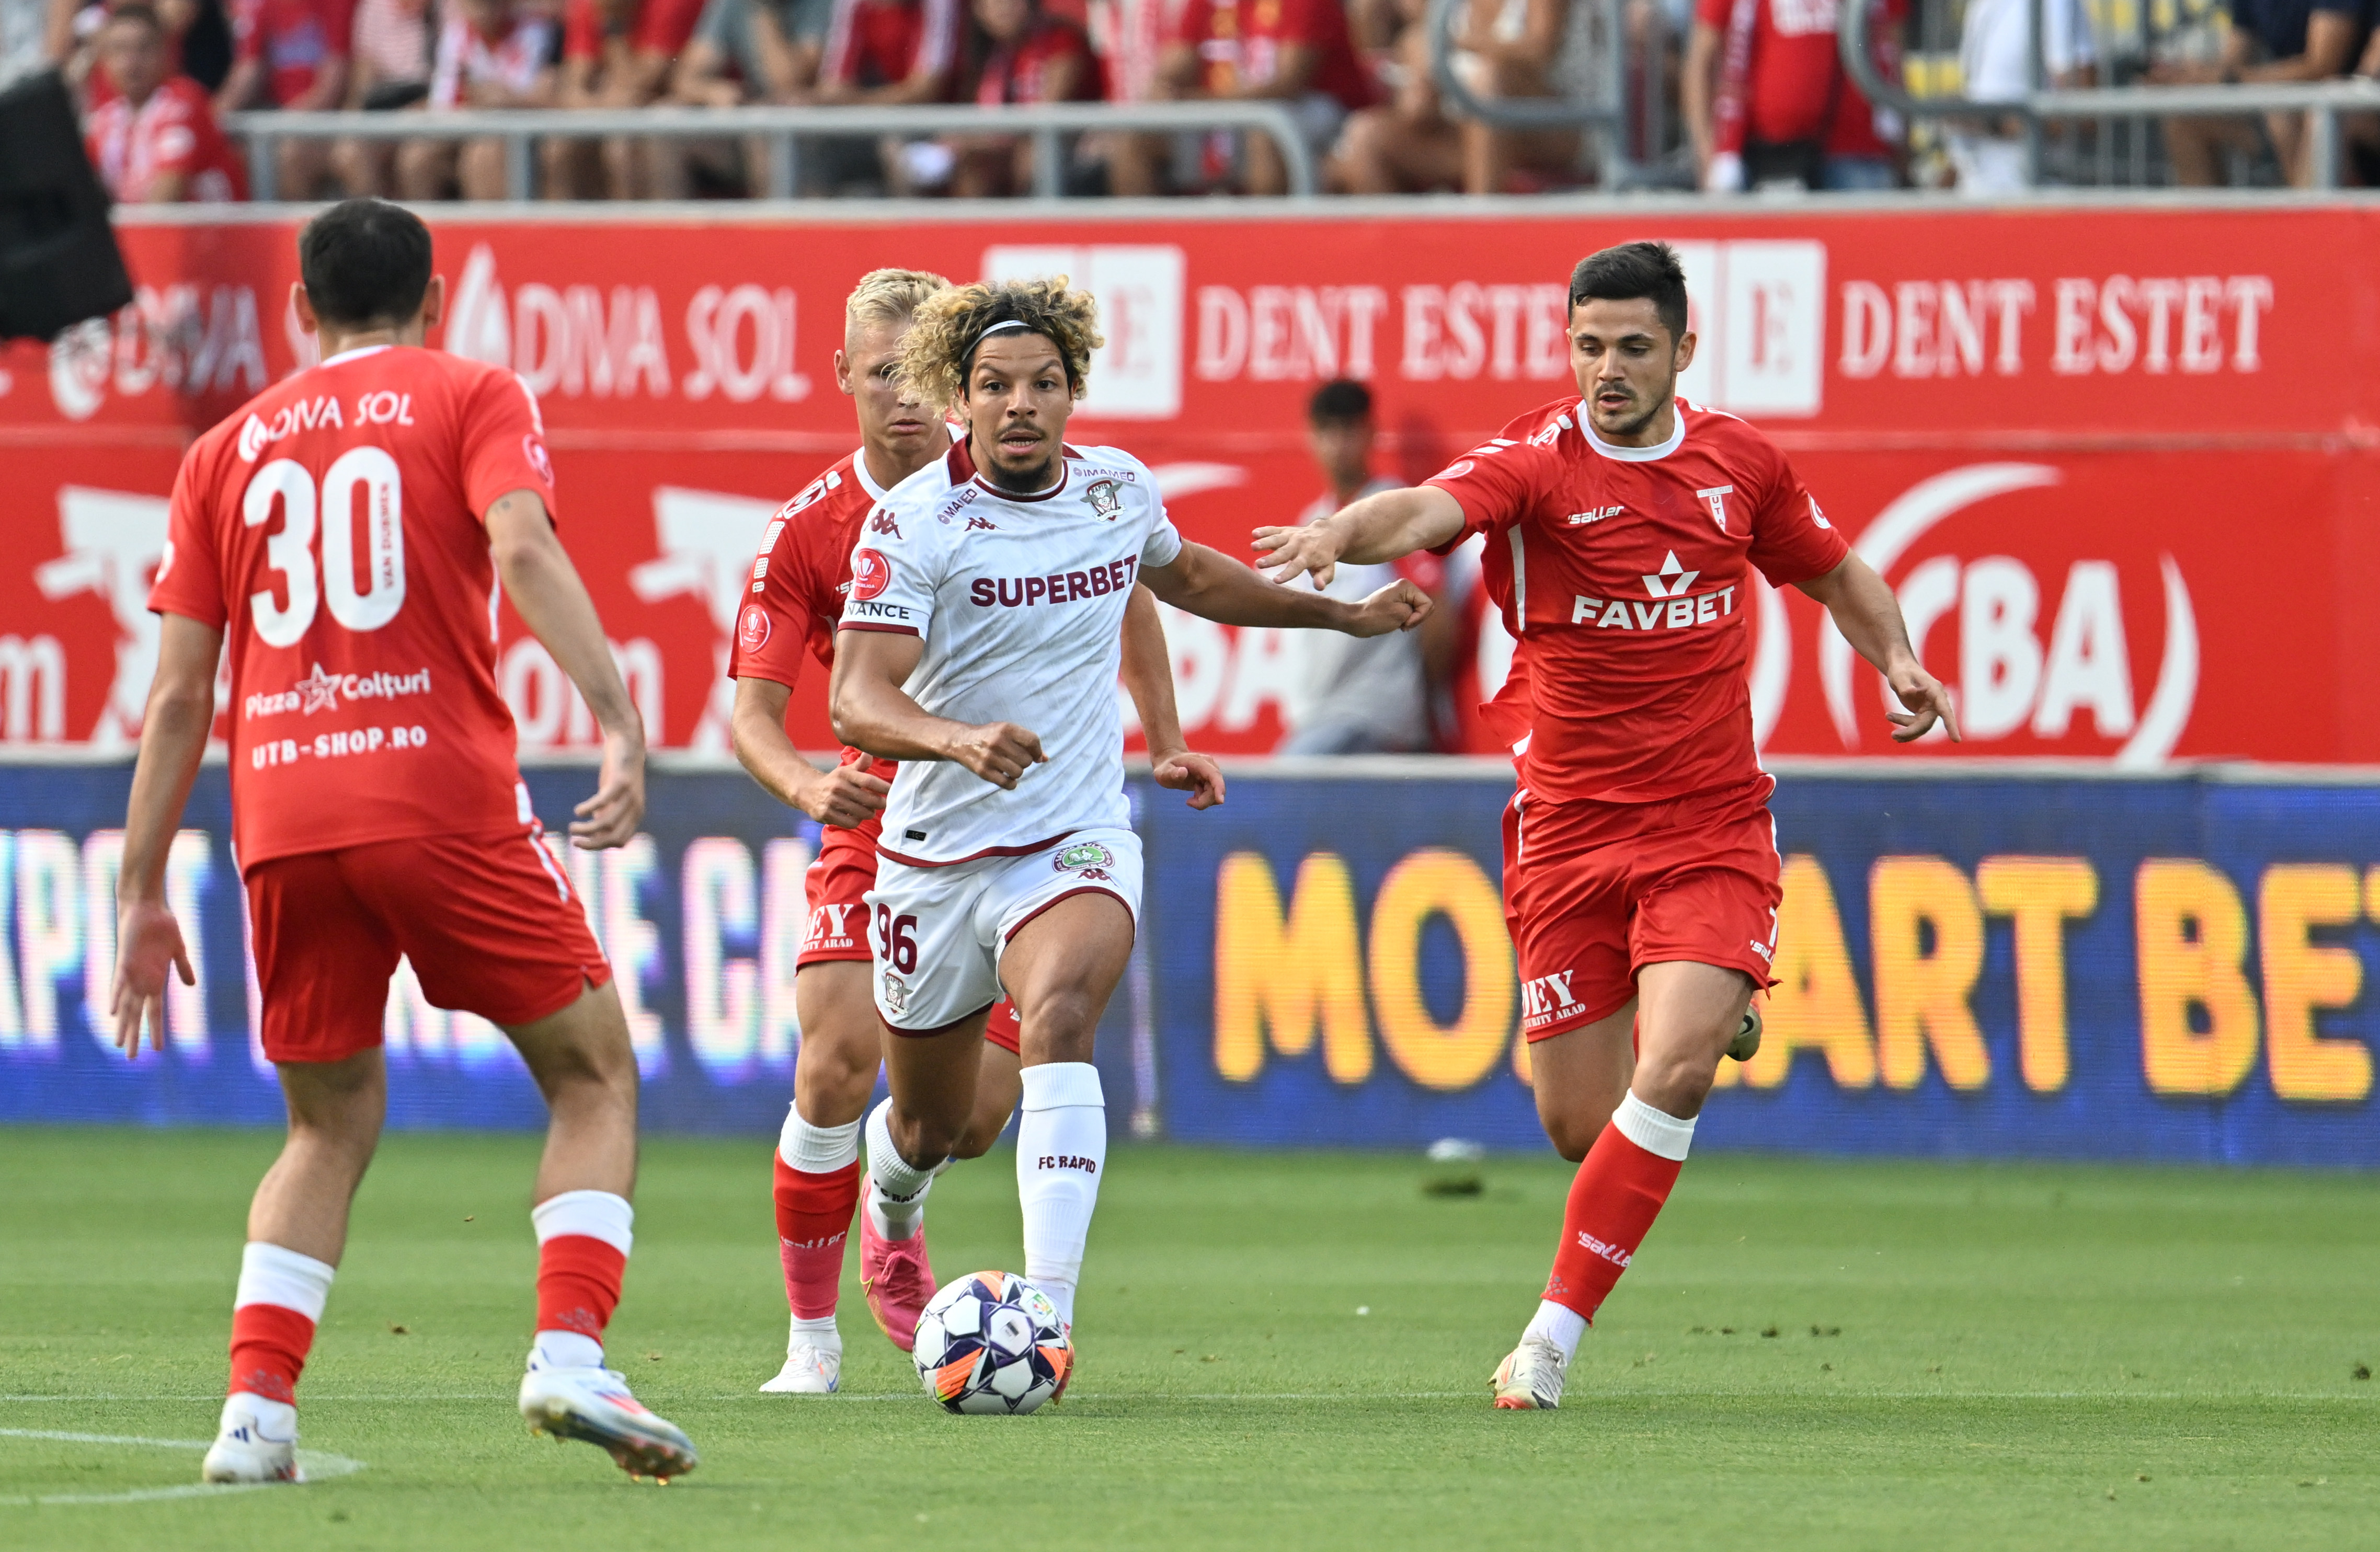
[
  {"x": 364, "y": 261},
  {"x": 1337, "y": 403},
  {"x": 132, "y": 10},
  {"x": 1632, "y": 270}
]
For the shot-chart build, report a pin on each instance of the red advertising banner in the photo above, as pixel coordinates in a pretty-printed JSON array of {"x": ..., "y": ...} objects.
[{"x": 2119, "y": 462}]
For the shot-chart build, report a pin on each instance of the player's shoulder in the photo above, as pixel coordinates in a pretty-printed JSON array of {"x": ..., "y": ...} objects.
[
  {"x": 1111, "y": 478},
  {"x": 1729, "y": 438},
  {"x": 1545, "y": 424}
]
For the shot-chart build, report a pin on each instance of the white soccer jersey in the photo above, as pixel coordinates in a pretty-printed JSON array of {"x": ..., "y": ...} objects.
[{"x": 1021, "y": 601}]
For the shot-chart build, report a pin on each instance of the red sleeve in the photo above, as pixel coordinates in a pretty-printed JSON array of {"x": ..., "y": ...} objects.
[
  {"x": 504, "y": 444},
  {"x": 664, "y": 26},
  {"x": 248, "y": 30},
  {"x": 1497, "y": 484},
  {"x": 1714, "y": 13},
  {"x": 772, "y": 632},
  {"x": 338, "y": 26},
  {"x": 1791, "y": 540},
  {"x": 581, "y": 38},
  {"x": 189, "y": 579}
]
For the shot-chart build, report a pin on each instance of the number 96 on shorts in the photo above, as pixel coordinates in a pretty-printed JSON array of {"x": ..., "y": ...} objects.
[{"x": 335, "y": 745}]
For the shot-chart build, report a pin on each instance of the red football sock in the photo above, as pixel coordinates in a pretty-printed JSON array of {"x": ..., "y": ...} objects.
[
  {"x": 268, "y": 1350},
  {"x": 813, "y": 1220},
  {"x": 578, "y": 1284},
  {"x": 1613, "y": 1201}
]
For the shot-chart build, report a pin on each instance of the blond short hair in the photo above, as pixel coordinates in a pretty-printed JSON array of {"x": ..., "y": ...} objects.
[
  {"x": 940, "y": 348},
  {"x": 888, "y": 297}
]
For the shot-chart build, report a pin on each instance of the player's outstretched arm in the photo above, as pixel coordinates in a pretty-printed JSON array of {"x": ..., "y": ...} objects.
[
  {"x": 173, "y": 737},
  {"x": 1379, "y": 527},
  {"x": 845, "y": 797},
  {"x": 544, "y": 587},
  {"x": 1148, "y": 678},
  {"x": 1869, "y": 617},
  {"x": 871, "y": 711},
  {"x": 1210, "y": 584}
]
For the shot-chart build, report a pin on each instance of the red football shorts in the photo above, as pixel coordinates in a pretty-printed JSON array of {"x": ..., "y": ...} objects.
[
  {"x": 837, "y": 886},
  {"x": 490, "y": 924},
  {"x": 1596, "y": 891}
]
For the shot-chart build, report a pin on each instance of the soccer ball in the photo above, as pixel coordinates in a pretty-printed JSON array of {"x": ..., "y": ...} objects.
[{"x": 992, "y": 1341}]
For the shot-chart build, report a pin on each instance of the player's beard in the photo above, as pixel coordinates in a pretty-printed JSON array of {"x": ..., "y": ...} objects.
[
  {"x": 1651, "y": 407},
  {"x": 1025, "y": 481}
]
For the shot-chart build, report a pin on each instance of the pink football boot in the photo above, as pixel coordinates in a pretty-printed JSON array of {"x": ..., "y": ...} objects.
[{"x": 897, "y": 1279}]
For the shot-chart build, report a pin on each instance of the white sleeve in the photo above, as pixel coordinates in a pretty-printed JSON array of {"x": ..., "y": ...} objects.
[
  {"x": 896, "y": 568},
  {"x": 1163, "y": 543}
]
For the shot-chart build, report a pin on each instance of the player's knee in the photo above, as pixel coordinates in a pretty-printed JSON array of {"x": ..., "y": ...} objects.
[
  {"x": 982, "y": 1131},
  {"x": 925, "y": 1139},
  {"x": 1063, "y": 1025}
]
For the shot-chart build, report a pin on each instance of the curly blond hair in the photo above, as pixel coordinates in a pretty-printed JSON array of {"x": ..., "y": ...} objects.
[
  {"x": 940, "y": 348},
  {"x": 890, "y": 297}
]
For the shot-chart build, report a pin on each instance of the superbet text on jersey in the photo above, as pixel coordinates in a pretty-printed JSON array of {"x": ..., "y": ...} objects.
[
  {"x": 1624, "y": 574},
  {"x": 328, "y": 530}
]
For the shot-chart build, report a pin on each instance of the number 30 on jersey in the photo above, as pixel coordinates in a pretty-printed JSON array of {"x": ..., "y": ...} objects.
[{"x": 361, "y": 473}]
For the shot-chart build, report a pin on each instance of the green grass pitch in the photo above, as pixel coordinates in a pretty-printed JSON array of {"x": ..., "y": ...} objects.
[{"x": 1821, "y": 1355}]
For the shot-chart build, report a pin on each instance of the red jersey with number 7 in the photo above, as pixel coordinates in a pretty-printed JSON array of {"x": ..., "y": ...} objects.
[
  {"x": 332, "y": 529},
  {"x": 1625, "y": 576}
]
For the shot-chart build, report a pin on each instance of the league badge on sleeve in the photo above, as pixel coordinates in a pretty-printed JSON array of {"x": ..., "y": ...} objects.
[
  {"x": 870, "y": 574},
  {"x": 753, "y": 634}
]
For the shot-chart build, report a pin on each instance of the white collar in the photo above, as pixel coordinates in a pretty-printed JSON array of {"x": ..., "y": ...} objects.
[
  {"x": 1677, "y": 439},
  {"x": 866, "y": 482},
  {"x": 358, "y": 354}
]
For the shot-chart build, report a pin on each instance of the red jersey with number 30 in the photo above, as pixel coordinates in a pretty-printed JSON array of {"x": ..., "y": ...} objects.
[
  {"x": 1625, "y": 576},
  {"x": 332, "y": 529},
  {"x": 799, "y": 581}
]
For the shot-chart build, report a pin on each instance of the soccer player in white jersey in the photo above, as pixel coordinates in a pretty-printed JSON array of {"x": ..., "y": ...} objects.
[{"x": 980, "y": 648}]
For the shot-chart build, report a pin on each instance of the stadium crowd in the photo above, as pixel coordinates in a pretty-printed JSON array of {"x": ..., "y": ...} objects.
[{"x": 1724, "y": 95}]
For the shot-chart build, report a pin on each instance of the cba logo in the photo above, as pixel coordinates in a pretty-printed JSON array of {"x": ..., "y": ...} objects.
[
  {"x": 1106, "y": 498},
  {"x": 753, "y": 634},
  {"x": 871, "y": 574}
]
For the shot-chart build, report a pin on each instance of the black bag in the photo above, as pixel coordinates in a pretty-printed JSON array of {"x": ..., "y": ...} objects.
[{"x": 58, "y": 260}]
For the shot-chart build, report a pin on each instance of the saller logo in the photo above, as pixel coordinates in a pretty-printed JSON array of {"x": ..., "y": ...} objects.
[
  {"x": 1611, "y": 1253},
  {"x": 870, "y": 574}
]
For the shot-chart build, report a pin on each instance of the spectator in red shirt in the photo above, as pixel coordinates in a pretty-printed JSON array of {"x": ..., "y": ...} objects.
[
  {"x": 291, "y": 55},
  {"x": 155, "y": 141},
  {"x": 1296, "y": 51},
  {"x": 889, "y": 51},
  {"x": 615, "y": 54},
  {"x": 491, "y": 54},
  {"x": 1021, "y": 54},
  {"x": 1768, "y": 101}
]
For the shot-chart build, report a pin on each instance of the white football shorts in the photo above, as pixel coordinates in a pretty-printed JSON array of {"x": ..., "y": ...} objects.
[{"x": 936, "y": 933}]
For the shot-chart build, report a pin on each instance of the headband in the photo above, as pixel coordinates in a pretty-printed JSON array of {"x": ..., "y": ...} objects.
[{"x": 1003, "y": 326}]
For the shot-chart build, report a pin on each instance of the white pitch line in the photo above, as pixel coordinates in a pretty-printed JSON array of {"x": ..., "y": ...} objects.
[
  {"x": 1815, "y": 1392},
  {"x": 317, "y": 1465}
]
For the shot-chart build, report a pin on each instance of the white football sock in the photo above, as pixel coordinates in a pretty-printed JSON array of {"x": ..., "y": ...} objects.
[
  {"x": 596, "y": 1215},
  {"x": 1558, "y": 1324},
  {"x": 896, "y": 1188},
  {"x": 274, "y": 1422},
  {"x": 822, "y": 1330},
  {"x": 1656, "y": 1131},
  {"x": 1062, "y": 1145},
  {"x": 816, "y": 1150}
]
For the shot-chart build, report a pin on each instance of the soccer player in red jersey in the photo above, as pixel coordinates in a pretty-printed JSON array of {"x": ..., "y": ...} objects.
[
  {"x": 344, "y": 534},
  {"x": 799, "y": 584},
  {"x": 1640, "y": 861}
]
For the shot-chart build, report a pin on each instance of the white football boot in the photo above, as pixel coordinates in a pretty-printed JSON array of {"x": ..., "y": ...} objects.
[
  {"x": 256, "y": 1441},
  {"x": 813, "y": 1365},
  {"x": 593, "y": 1404},
  {"x": 1530, "y": 1377}
]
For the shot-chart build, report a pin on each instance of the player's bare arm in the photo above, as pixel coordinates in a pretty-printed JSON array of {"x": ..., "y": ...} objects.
[
  {"x": 173, "y": 736},
  {"x": 845, "y": 797},
  {"x": 1379, "y": 527},
  {"x": 552, "y": 602},
  {"x": 1869, "y": 616},
  {"x": 1210, "y": 584},
  {"x": 871, "y": 711},
  {"x": 1148, "y": 679}
]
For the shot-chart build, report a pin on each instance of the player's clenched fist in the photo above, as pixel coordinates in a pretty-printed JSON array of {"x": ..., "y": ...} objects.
[
  {"x": 1399, "y": 606},
  {"x": 847, "y": 797},
  {"x": 998, "y": 752},
  {"x": 1292, "y": 553}
]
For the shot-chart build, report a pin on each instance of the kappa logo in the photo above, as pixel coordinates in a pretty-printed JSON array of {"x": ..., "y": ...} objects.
[
  {"x": 1547, "y": 997},
  {"x": 871, "y": 574},
  {"x": 1106, "y": 497},
  {"x": 752, "y": 633},
  {"x": 977, "y": 522},
  {"x": 883, "y": 521},
  {"x": 1547, "y": 435}
]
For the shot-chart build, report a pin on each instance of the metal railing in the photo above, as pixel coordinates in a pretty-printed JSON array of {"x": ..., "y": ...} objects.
[
  {"x": 2322, "y": 101},
  {"x": 783, "y": 129}
]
